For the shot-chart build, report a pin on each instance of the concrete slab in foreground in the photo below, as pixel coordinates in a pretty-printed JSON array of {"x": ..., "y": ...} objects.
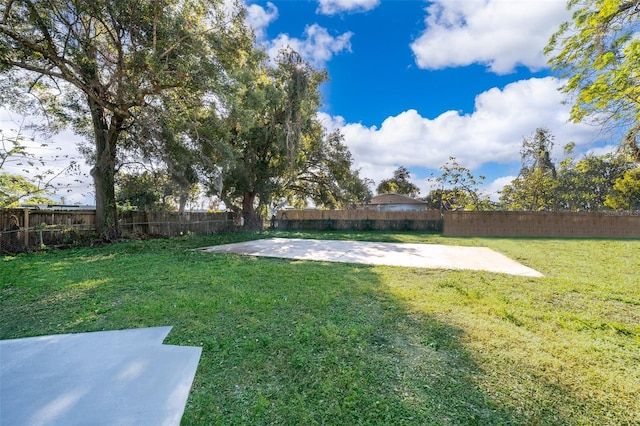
[
  {"x": 123, "y": 377},
  {"x": 394, "y": 254}
]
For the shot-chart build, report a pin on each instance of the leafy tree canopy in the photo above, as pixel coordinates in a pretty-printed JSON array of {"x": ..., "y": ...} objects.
[
  {"x": 100, "y": 64},
  {"x": 149, "y": 190},
  {"x": 325, "y": 176},
  {"x": 276, "y": 144},
  {"x": 460, "y": 188},
  {"x": 16, "y": 189},
  {"x": 626, "y": 192},
  {"x": 533, "y": 189},
  {"x": 400, "y": 183},
  {"x": 572, "y": 185},
  {"x": 598, "y": 52},
  {"x": 585, "y": 184}
]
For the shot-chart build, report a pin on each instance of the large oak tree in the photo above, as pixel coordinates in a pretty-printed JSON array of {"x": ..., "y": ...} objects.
[
  {"x": 99, "y": 64},
  {"x": 274, "y": 109}
]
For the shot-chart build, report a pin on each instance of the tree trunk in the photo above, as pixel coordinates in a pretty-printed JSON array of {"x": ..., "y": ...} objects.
[
  {"x": 251, "y": 218},
  {"x": 184, "y": 197},
  {"x": 103, "y": 172},
  {"x": 632, "y": 143}
]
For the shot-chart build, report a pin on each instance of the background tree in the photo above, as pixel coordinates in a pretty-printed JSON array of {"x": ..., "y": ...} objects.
[
  {"x": 585, "y": 184},
  {"x": 175, "y": 144},
  {"x": 598, "y": 51},
  {"x": 400, "y": 183},
  {"x": 149, "y": 190},
  {"x": 98, "y": 64},
  {"x": 459, "y": 189},
  {"x": 16, "y": 189},
  {"x": 626, "y": 192},
  {"x": 533, "y": 189},
  {"x": 575, "y": 185},
  {"x": 138, "y": 191},
  {"x": 324, "y": 175},
  {"x": 448, "y": 199},
  {"x": 269, "y": 120}
]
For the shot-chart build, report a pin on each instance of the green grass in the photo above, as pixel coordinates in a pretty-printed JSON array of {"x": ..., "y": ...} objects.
[{"x": 299, "y": 342}]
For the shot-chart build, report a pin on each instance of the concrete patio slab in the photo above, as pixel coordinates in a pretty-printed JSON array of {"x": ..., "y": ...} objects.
[
  {"x": 125, "y": 377},
  {"x": 393, "y": 254}
]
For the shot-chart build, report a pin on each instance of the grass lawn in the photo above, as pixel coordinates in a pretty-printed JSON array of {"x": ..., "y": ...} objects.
[{"x": 299, "y": 342}]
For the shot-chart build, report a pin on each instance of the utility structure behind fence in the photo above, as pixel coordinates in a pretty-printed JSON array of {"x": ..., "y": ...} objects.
[{"x": 26, "y": 228}]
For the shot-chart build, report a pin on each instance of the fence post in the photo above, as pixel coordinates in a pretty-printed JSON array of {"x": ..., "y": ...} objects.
[{"x": 26, "y": 227}]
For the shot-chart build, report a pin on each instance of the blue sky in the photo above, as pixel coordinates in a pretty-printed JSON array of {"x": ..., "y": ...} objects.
[{"x": 413, "y": 83}]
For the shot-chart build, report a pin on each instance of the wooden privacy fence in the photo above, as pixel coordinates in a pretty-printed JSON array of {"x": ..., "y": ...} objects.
[
  {"x": 24, "y": 228},
  {"x": 542, "y": 224},
  {"x": 469, "y": 224},
  {"x": 55, "y": 227},
  {"x": 173, "y": 224},
  {"x": 362, "y": 220},
  {"x": 43, "y": 227}
]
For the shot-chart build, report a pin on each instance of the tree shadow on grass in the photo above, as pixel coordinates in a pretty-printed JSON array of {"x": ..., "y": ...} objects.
[
  {"x": 331, "y": 350},
  {"x": 284, "y": 342}
]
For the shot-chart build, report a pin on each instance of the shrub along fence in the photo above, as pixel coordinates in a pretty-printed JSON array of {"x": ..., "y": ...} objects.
[
  {"x": 360, "y": 220},
  {"x": 24, "y": 228}
]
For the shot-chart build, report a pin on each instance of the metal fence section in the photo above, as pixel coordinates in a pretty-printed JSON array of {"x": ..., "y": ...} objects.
[{"x": 11, "y": 241}]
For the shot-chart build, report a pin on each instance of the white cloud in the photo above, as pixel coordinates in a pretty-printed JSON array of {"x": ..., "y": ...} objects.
[
  {"x": 259, "y": 18},
  {"x": 499, "y": 33},
  {"x": 491, "y": 134},
  {"x": 332, "y": 7},
  {"x": 603, "y": 150},
  {"x": 497, "y": 185},
  {"x": 317, "y": 47}
]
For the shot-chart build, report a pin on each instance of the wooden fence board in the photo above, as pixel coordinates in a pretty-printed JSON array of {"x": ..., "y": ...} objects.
[
  {"x": 54, "y": 227},
  {"x": 364, "y": 220},
  {"x": 542, "y": 224}
]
